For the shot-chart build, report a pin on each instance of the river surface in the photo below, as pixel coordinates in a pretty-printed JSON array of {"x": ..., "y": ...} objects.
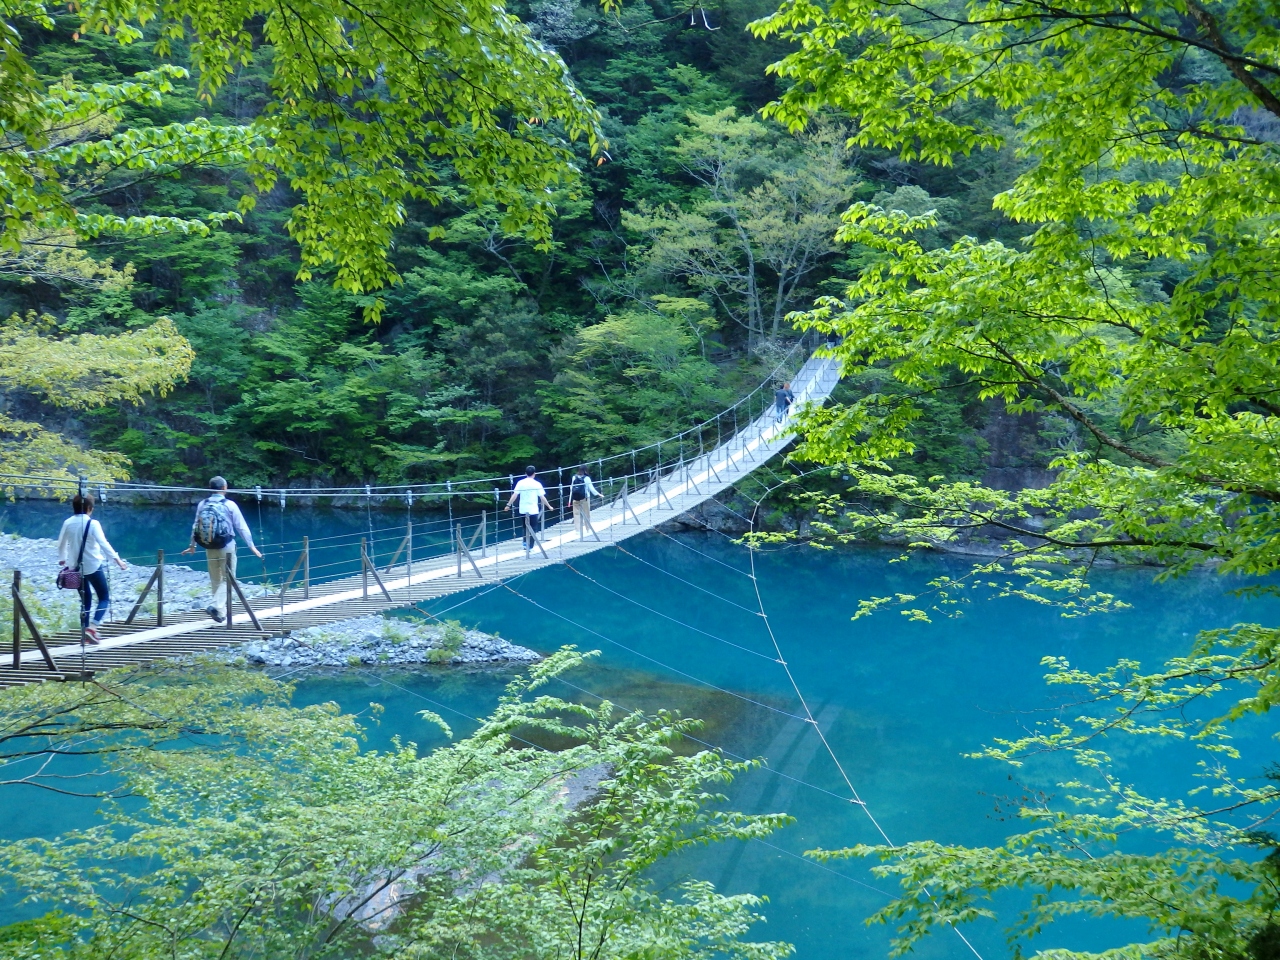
[{"x": 900, "y": 702}]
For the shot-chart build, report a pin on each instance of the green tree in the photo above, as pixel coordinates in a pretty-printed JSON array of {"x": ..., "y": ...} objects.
[
  {"x": 763, "y": 224},
  {"x": 1142, "y": 312},
  {"x": 267, "y": 830},
  {"x": 625, "y": 380},
  {"x": 365, "y": 106},
  {"x": 79, "y": 372}
]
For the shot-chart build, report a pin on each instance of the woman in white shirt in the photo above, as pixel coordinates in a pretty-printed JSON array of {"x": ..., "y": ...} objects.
[{"x": 83, "y": 541}]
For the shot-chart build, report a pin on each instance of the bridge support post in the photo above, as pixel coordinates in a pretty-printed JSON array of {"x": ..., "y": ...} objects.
[
  {"x": 155, "y": 580},
  {"x": 234, "y": 584},
  {"x": 306, "y": 568},
  {"x": 367, "y": 567},
  {"x": 463, "y": 548},
  {"x": 21, "y": 616}
]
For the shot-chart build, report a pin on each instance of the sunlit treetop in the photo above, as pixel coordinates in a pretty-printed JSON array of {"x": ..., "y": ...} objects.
[{"x": 369, "y": 105}]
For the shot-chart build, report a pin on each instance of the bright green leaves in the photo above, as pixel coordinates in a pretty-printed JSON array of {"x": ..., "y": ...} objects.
[
  {"x": 371, "y": 108},
  {"x": 268, "y": 831},
  {"x": 80, "y": 372},
  {"x": 625, "y": 380},
  {"x": 1143, "y": 316}
]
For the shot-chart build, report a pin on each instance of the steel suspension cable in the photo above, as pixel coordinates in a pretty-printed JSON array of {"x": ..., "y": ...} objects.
[
  {"x": 853, "y": 791},
  {"x": 664, "y": 616},
  {"x": 655, "y": 660}
]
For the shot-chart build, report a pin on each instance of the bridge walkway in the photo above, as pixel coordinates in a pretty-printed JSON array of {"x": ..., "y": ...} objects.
[{"x": 636, "y": 510}]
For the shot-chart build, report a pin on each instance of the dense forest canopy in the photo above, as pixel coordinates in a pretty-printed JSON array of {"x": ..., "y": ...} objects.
[
  {"x": 409, "y": 244},
  {"x": 462, "y": 343}
]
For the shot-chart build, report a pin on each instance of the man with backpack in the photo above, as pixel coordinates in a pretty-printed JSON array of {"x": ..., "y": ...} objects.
[{"x": 218, "y": 522}]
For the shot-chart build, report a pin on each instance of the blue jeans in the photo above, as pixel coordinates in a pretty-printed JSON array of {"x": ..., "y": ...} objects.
[{"x": 97, "y": 580}]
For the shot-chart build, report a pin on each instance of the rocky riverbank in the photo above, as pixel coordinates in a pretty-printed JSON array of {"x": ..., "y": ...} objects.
[
  {"x": 185, "y": 588},
  {"x": 374, "y": 641}
]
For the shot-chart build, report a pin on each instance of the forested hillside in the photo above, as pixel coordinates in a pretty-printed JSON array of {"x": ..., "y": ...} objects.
[{"x": 672, "y": 265}]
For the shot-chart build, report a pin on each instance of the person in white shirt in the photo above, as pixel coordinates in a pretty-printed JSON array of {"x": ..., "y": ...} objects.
[
  {"x": 218, "y": 523},
  {"x": 581, "y": 490},
  {"x": 81, "y": 542},
  {"x": 532, "y": 495}
]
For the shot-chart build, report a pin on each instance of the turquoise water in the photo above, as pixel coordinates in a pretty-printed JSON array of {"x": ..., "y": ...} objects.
[{"x": 900, "y": 702}]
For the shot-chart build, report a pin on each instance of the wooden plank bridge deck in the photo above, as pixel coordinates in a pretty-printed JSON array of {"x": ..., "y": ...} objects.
[{"x": 634, "y": 512}]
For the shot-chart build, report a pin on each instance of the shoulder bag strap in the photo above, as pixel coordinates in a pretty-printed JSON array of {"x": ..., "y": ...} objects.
[{"x": 88, "y": 525}]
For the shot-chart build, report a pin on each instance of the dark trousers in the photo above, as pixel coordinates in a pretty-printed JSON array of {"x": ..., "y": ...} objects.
[
  {"x": 530, "y": 530},
  {"x": 97, "y": 580}
]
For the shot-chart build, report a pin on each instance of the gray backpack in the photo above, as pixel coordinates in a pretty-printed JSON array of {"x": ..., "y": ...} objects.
[{"x": 213, "y": 529}]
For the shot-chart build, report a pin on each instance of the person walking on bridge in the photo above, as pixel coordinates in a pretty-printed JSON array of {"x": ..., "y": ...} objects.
[
  {"x": 532, "y": 496},
  {"x": 82, "y": 536},
  {"x": 218, "y": 522},
  {"x": 581, "y": 490},
  {"x": 782, "y": 400}
]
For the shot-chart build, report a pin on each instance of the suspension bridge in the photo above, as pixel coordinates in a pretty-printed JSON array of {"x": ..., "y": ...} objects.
[{"x": 659, "y": 485}]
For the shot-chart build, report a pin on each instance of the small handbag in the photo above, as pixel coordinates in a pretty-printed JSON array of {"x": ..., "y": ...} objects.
[{"x": 70, "y": 578}]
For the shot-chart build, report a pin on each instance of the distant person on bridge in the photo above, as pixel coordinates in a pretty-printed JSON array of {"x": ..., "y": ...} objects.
[
  {"x": 532, "y": 495},
  {"x": 581, "y": 490},
  {"x": 82, "y": 536},
  {"x": 782, "y": 400},
  {"x": 218, "y": 522}
]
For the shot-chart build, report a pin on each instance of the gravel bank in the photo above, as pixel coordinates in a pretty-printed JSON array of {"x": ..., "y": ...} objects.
[{"x": 381, "y": 640}]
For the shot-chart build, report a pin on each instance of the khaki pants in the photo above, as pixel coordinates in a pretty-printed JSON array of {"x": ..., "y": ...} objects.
[
  {"x": 582, "y": 517},
  {"x": 220, "y": 560}
]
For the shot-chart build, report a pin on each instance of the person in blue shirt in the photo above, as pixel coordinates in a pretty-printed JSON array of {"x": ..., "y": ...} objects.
[{"x": 782, "y": 400}]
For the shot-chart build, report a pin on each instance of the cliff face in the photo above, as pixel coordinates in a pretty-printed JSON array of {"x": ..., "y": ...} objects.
[{"x": 1017, "y": 456}]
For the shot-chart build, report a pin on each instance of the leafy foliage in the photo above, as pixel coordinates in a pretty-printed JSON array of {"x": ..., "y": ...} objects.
[
  {"x": 363, "y": 107},
  {"x": 267, "y": 830},
  {"x": 78, "y": 372},
  {"x": 1141, "y": 313}
]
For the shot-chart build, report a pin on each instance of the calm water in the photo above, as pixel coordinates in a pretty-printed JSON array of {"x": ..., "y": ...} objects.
[{"x": 900, "y": 702}]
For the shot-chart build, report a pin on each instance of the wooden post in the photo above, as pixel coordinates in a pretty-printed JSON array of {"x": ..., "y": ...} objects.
[
  {"x": 233, "y": 584},
  {"x": 17, "y": 623},
  {"x": 151, "y": 581},
  {"x": 159, "y": 588},
  {"x": 463, "y": 548},
  {"x": 20, "y": 616},
  {"x": 226, "y": 582}
]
